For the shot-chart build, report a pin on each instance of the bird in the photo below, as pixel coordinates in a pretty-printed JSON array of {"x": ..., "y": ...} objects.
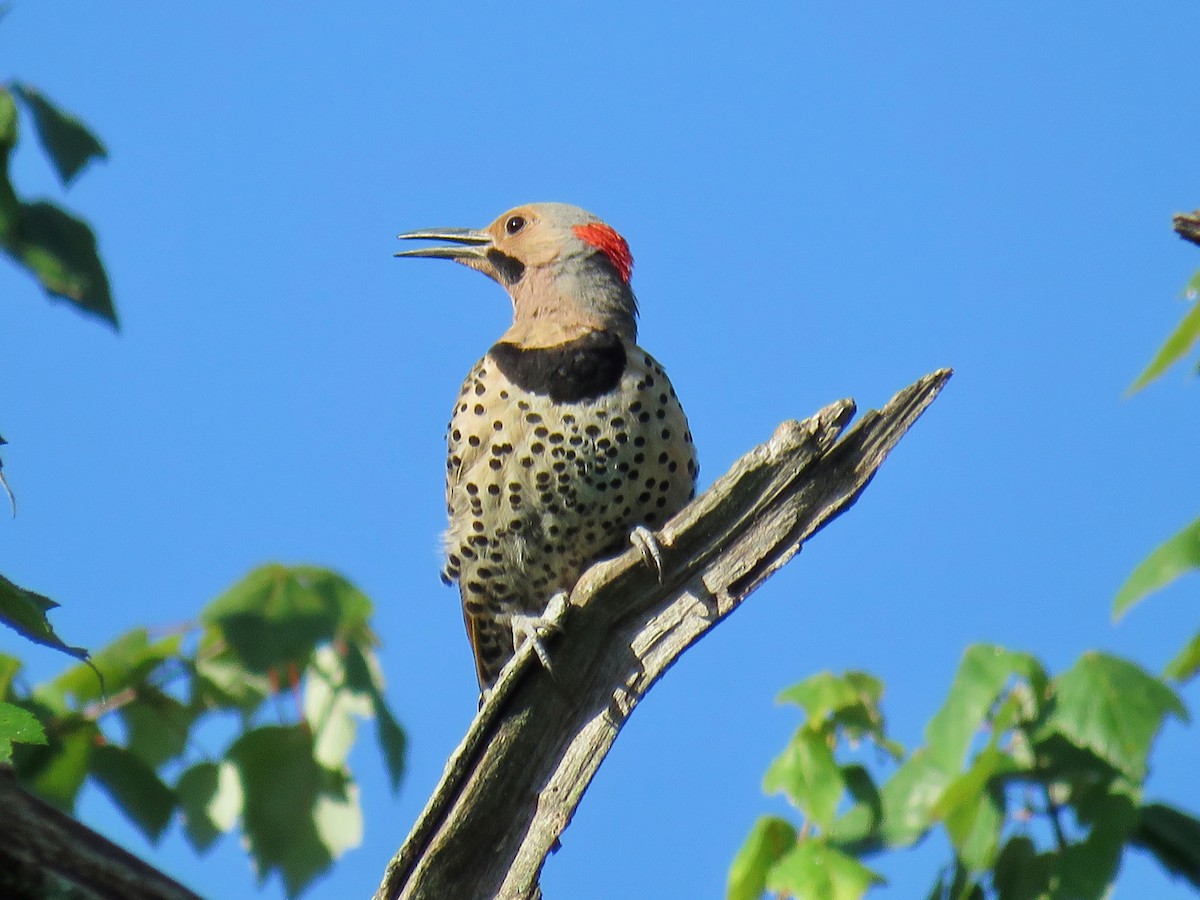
[{"x": 567, "y": 439}]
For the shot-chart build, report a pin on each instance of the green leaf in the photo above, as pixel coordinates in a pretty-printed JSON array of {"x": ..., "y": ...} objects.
[
  {"x": 825, "y": 693},
  {"x": 849, "y": 702},
  {"x": 293, "y": 806},
  {"x": 1113, "y": 708},
  {"x": 10, "y": 667},
  {"x": 973, "y": 811},
  {"x": 18, "y": 725},
  {"x": 1175, "y": 347},
  {"x": 332, "y": 708},
  {"x": 222, "y": 682},
  {"x": 157, "y": 726},
  {"x": 955, "y": 882},
  {"x": 1173, "y": 837},
  {"x": 277, "y": 614},
  {"x": 8, "y": 121},
  {"x": 809, "y": 775},
  {"x": 1160, "y": 568},
  {"x": 25, "y": 612},
  {"x": 769, "y": 839},
  {"x": 338, "y": 819},
  {"x": 210, "y": 800},
  {"x": 60, "y": 250},
  {"x": 66, "y": 140},
  {"x": 10, "y": 206},
  {"x": 864, "y": 792},
  {"x": 1186, "y": 663},
  {"x": 363, "y": 674},
  {"x": 57, "y": 773},
  {"x": 984, "y": 674},
  {"x": 816, "y": 871},
  {"x": 125, "y": 663},
  {"x": 1087, "y": 868},
  {"x": 908, "y": 798},
  {"x": 135, "y": 788},
  {"x": 1020, "y": 873}
]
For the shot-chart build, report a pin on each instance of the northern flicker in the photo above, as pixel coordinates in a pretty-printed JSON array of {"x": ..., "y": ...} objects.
[{"x": 566, "y": 438}]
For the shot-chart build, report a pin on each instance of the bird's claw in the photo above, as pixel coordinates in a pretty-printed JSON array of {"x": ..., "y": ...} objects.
[
  {"x": 534, "y": 628},
  {"x": 643, "y": 538}
]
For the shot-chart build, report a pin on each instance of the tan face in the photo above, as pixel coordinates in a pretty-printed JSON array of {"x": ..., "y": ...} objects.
[{"x": 525, "y": 235}]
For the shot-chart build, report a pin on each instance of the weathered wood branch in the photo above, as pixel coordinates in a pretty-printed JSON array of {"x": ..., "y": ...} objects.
[
  {"x": 513, "y": 785},
  {"x": 46, "y": 853},
  {"x": 1187, "y": 226}
]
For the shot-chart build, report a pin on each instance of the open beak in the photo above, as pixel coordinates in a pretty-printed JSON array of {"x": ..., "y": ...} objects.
[{"x": 466, "y": 244}]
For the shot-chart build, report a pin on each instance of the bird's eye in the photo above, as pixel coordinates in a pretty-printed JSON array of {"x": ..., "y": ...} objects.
[{"x": 515, "y": 224}]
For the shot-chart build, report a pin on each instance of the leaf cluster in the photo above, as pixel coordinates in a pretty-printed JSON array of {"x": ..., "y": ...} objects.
[
  {"x": 1036, "y": 782},
  {"x": 55, "y": 246},
  {"x": 246, "y": 717}
]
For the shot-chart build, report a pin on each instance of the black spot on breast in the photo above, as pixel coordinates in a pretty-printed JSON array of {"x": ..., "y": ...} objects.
[
  {"x": 509, "y": 268},
  {"x": 577, "y": 370}
]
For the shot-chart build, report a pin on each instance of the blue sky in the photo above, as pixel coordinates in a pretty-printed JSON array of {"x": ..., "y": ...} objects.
[{"x": 824, "y": 200}]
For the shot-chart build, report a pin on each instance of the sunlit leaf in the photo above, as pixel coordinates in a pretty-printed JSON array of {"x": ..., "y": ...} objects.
[
  {"x": 825, "y": 693},
  {"x": 25, "y": 612},
  {"x": 1186, "y": 663},
  {"x": 10, "y": 204},
  {"x": 18, "y": 725},
  {"x": 337, "y": 816},
  {"x": 1113, "y": 708},
  {"x": 286, "y": 793},
  {"x": 983, "y": 675},
  {"x": 909, "y": 796},
  {"x": 10, "y": 667},
  {"x": 134, "y": 787},
  {"x": 970, "y": 811},
  {"x": 8, "y": 121},
  {"x": 1168, "y": 561},
  {"x": 66, "y": 140},
  {"x": 210, "y": 800},
  {"x": 332, "y": 708},
  {"x": 809, "y": 775},
  {"x": 816, "y": 871},
  {"x": 1173, "y": 349},
  {"x": 769, "y": 839}
]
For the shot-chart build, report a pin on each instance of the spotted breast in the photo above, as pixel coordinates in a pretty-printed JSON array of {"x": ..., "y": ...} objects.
[{"x": 555, "y": 455}]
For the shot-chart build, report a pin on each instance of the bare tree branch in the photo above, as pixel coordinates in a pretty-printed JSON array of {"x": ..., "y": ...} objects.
[
  {"x": 46, "y": 853},
  {"x": 1187, "y": 226},
  {"x": 512, "y": 786}
]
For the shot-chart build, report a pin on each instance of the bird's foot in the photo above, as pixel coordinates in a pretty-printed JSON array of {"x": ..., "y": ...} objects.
[
  {"x": 643, "y": 538},
  {"x": 534, "y": 628}
]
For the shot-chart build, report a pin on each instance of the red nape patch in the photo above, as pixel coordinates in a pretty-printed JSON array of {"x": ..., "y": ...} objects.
[{"x": 611, "y": 244}]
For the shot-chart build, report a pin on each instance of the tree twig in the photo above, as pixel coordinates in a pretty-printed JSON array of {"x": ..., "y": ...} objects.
[{"x": 1187, "y": 226}]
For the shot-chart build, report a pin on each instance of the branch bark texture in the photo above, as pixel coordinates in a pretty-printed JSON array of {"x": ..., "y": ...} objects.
[
  {"x": 46, "y": 853},
  {"x": 514, "y": 783}
]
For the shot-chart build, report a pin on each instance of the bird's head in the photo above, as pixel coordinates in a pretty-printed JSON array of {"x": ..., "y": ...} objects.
[{"x": 565, "y": 270}]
